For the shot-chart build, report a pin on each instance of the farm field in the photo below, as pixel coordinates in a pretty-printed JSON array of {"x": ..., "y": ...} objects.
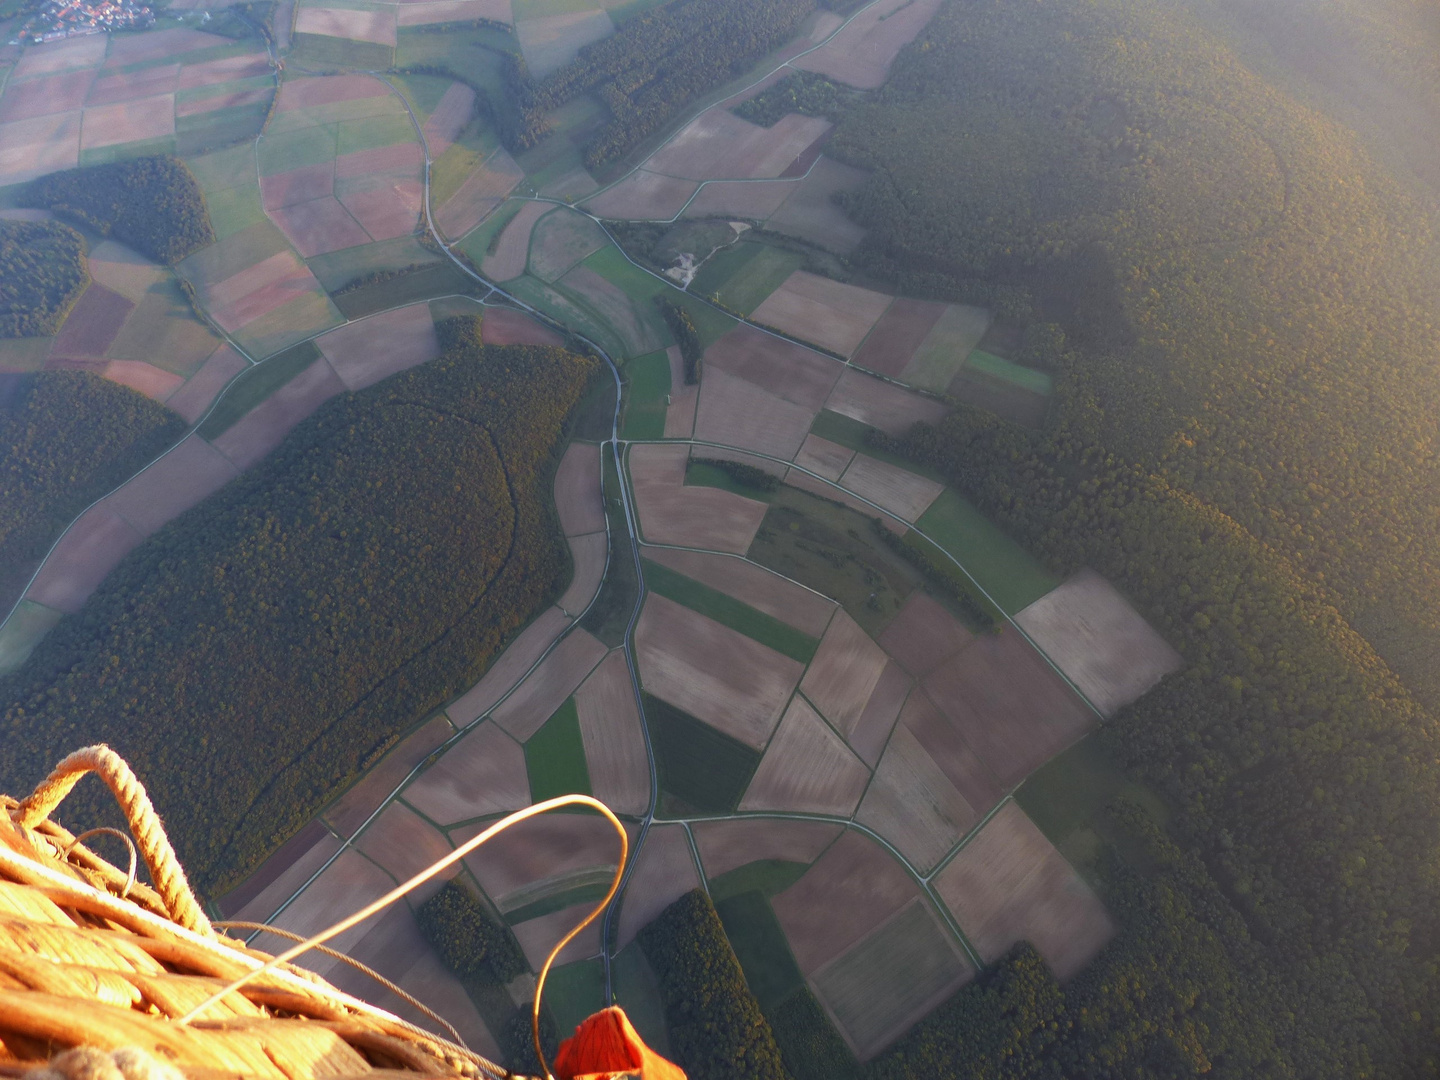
[
  {"x": 861, "y": 54},
  {"x": 1003, "y": 569}
]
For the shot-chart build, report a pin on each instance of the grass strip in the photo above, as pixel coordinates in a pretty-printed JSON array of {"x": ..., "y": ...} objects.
[{"x": 736, "y": 614}]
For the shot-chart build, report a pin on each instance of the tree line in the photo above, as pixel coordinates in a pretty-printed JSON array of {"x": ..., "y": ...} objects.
[
  {"x": 154, "y": 204},
  {"x": 286, "y": 631},
  {"x": 66, "y": 439},
  {"x": 42, "y": 274}
]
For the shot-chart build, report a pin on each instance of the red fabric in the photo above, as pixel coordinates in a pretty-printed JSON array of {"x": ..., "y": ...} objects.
[{"x": 606, "y": 1046}]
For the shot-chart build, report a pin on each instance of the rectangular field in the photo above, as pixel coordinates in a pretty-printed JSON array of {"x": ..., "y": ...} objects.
[
  {"x": 542, "y": 692},
  {"x": 807, "y": 768},
  {"x": 728, "y": 611},
  {"x": 900, "y": 331},
  {"x": 752, "y": 585},
  {"x": 483, "y": 773},
  {"x": 743, "y": 275},
  {"x": 790, "y": 371},
  {"x": 712, "y": 672},
  {"x": 555, "y": 757},
  {"x": 1005, "y": 570},
  {"x": 736, "y": 412},
  {"x": 1009, "y": 883},
  {"x": 613, "y": 740},
  {"x": 833, "y": 315},
  {"x": 904, "y": 494},
  {"x": 671, "y": 513}
]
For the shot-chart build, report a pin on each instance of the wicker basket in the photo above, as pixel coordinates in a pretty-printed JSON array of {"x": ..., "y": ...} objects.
[{"x": 90, "y": 958}]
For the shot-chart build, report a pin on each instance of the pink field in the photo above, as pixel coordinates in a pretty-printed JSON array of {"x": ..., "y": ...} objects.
[
  {"x": 735, "y": 412},
  {"x": 830, "y": 313},
  {"x": 851, "y": 889},
  {"x": 883, "y": 405},
  {"x": 754, "y": 585},
  {"x": 480, "y": 194},
  {"x": 1009, "y": 883},
  {"x": 913, "y": 805},
  {"x": 135, "y": 84},
  {"x": 173, "y": 484},
  {"x": 352, "y": 809},
  {"x": 861, "y": 54},
  {"x": 376, "y": 347},
  {"x": 897, "y": 335},
  {"x": 264, "y": 427},
  {"x": 535, "y": 700},
  {"x": 1008, "y": 704},
  {"x": 538, "y": 936},
  {"x": 192, "y": 399},
  {"x": 128, "y": 121},
  {"x": 412, "y": 13},
  {"x": 811, "y": 212},
  {"x": 949, "y": 750},
  {"x": 50, "y": 94},
  {"x": 387, "y": 206},
  {"x": 614, "y": 742},
  {"x": 98, "y": 540},
  {"x": 748, "y": 199},
  {"x": 506, "y": 326},
  {"x": 297, "y": 185},
  {"x": 784, "y": 368},
  {"x": 373, "y": 26},
  {"x": 806, "y": 482},
  {"x": 924, "y": 635},
  {"x": 350, "y": 882},
  {"x": 127, "y": 49},
  {"x": 717, "y": 144},
  {"x": 31, "y": 148},
  {"x": 689, "y": 516},
  {"x": 93, "y": 323},
  {"x": 452, "y": 113},
  {"x": 513, "y": 867},
  {"x": 326, "y": 90},
  {"x": 281, "y": 874},
  {"x": 53, "y": 56},
  {"x": 807, "y": 768},
  {"x": 1101, "y": 643},
  {"x": 404, "y": 843},
  {"x": 664, "y": 872},
  {"x": 577, "y": 490},
  {"x": 509, "y": 667},
  {"x": 222, "y": 101},
  {"x": 483, "y": 773},
  {"x": 712, "y": 672},
  {"x": 155, "y": 383},
  {"x": 513, "y": 250},
  {"x": 218, "y": 71},
  {"x": 258, "y": 290},
  {"x": 400, "y": 158},
  {"x": 727, "y": 845},
  {"x": 823, "y": 457},
  {"x": 843, "y": 673},
  {"x": 903, "y": 493},
  {"x": 319, "y": 226},
  {"x": 870, "y": 733},
  {"x": 588, "y": 554},
  {"x": 642, "y": 196}
]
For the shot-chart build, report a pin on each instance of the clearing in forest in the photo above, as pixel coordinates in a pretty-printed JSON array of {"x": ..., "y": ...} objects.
[{"x": 861, "y": 54}]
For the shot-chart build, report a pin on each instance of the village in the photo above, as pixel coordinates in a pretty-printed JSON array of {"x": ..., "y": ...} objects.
[{"x": 57, "y": 19}]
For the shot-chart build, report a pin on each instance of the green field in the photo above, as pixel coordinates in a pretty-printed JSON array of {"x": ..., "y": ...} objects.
[
  {"x": 609, "y": 614},
  {"x": 761, "y": 948},
  {"x": 164, "y": 330},
  {"x": 638, "y": 990},
  {"x": 739, "y": 616},
  {"x": 1037, "y": 382},
  {"x": 423, "y": 92},
  {"x": 766, "y": 876},
  {"x": 649, "y": 383},
  {"x": 744, "y": 275},
  {"x": 24, "y": 354},
  {"x": 221, "y": 127},
  {"x": 22, "y": 631},
  {"x": 480, "y": 241},
  {"x": 618, "y": 299},
  {"x": 104, "y": 155},
  {"x": 374, "y": 131},
  {"x": 338, "y": 268},
  {"x": 703, "y": 768},
  {"x": 834, "y": 551},
  {"x": 285, "y": 150},
  {"x": 560, "y": 240},
  {"x": 555, "y": 757},
  {"x": 255, "y": 385},
  {"x": 438, "y": 279},
  {"x": 706, "y": 474},
  {"x": 573, "y": 992},
  {"x": 567, "y": 311},
  {"x": 307, "y": 315},
  {"x": 473, "y": 52},
  {"x": 642, "y": 287},
  {"x": 317, "y": 51},
  {"x": 1004, "y": 569},
  {"x": 233, "y": 209},
  {"x": 944, "y": 350},
  {"x": 850, "y": 432}
]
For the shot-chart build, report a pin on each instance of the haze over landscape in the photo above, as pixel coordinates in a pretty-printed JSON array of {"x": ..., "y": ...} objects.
[{"x": 958, "y": 478}]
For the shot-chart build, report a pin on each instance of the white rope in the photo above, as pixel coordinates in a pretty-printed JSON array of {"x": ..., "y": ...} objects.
[{"x": 425, "y": 875}]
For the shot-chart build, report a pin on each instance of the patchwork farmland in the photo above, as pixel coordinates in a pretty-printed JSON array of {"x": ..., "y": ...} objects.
[{"x": 792, "y": 709}]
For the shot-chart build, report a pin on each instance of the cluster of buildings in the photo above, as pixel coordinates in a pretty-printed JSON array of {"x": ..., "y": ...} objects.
[{"x": 57, "y": 19}]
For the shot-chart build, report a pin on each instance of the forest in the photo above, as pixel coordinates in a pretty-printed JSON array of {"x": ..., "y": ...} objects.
[
  {"x": 717, "y": 1031},
  {"x": 654, "y": 66},
  {"x": 42, "y": 274},
  {"x": 287, "y": 631},
  {"x": 66, "y": 439},
  {"x": 154, "y": 204},
  {"x": 806, "y": 92},
  {"x": 1236, "y": 299}
]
